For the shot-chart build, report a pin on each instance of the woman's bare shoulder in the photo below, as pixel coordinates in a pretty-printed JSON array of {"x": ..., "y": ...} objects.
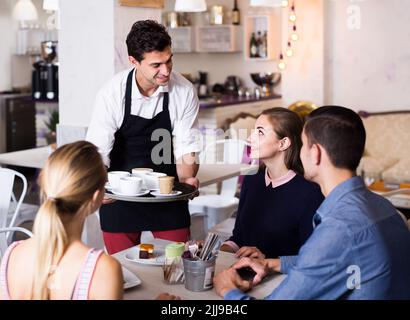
[{"x": 107, "y": 282}]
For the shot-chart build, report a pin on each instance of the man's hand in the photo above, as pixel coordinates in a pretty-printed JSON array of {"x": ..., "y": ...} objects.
[
  {"x": 228, "y": 280},
  {"x": 260, "y": 266},
  {"x": 251, "y": 252},
  {"x": 167, "y": 296}
]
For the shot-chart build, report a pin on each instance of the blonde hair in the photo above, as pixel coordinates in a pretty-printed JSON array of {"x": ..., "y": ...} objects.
[{"x": 68, "y": 182}]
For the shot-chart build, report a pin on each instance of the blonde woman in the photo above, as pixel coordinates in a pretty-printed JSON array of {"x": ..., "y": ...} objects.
[{"x": 55, "y": 264}]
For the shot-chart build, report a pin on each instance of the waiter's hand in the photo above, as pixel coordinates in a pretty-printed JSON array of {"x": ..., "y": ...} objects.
[
  {"x": 193, "y": 182},
  {"x": 107, "y": 200}
]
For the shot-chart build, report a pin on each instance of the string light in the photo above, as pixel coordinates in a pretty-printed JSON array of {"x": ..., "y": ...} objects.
[
  {"x": 292, "y": 15},
  {"x": 294, "y": 36},
  {"x": 289, "y": 50},
  {"x": 281, "y": 64}
]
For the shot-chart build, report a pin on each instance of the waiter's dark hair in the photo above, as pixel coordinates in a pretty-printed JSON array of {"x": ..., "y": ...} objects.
[
  {"x": 147, "y": 36},
  {"x": 340, "y": 131}
]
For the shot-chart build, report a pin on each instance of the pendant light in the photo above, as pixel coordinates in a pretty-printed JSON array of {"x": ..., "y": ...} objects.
[
  {"x": 190, "y": 5},
  {"x": 25, "y": 10},
  {"x": 53, "y": 7}
]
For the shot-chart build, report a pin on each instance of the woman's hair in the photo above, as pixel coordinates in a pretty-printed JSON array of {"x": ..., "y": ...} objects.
[
  {"x": 68, "y": 182},
  {"x": 286, "y": 123}
]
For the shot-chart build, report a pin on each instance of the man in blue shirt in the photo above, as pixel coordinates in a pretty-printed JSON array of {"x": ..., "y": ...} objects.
[{"x": 360, "y": 247}]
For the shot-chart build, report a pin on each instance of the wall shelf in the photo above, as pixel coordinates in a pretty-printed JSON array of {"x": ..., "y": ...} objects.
[
  {"x": 262, "y": 23},
  {"x": 183, "y": 39},
  {"x": 218, "y": 38}
]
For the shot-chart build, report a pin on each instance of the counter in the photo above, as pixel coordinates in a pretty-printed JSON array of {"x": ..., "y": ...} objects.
[{"x": 227, "y": 100}]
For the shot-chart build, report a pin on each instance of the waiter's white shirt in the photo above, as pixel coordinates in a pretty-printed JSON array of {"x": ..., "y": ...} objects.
[{"x": 108, "y": 113}]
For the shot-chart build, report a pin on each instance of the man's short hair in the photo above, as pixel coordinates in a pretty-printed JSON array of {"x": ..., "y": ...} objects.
[
  {"x": 340, "y": 131},
  {"x": 147, "y": 36}
]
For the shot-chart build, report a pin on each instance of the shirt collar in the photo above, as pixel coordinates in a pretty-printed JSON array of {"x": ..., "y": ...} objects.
[
  {"x": 337, "y": 193},
  {"x": 136, "y": 94},
  {"x": 279, "y": 181}
]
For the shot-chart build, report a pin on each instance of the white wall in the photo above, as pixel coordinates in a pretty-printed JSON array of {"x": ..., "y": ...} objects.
[
  {"x": 303, "y": 78},
  {"x": 21, "y": 74},
  {"x": 92, "y": 49},
  {"x": 86, "y": 53},
  {"x": 368, "y": 68},
  {"x": 6, "y": 46}
]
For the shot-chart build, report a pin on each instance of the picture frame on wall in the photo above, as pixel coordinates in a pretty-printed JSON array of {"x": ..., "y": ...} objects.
[{"x": 143, "y": 3}]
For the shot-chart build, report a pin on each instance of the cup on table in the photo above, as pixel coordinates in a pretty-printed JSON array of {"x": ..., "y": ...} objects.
[
  {"x": 115, "y": 176},
  {"x": 130, "y": 185},
  {"x": 151, "y": 179},
  {"x": 166, "y": 184}
]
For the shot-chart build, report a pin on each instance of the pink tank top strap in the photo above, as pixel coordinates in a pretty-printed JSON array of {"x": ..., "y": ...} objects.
[
  {"x": 83, "y": 284},
  {"x": 4, "y": 288}
]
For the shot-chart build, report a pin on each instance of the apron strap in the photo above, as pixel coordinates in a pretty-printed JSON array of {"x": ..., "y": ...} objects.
[{"x": 128, "y": 95}]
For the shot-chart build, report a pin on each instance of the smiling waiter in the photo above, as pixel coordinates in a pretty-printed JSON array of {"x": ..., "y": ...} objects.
[{"x": 128, "y": 109}]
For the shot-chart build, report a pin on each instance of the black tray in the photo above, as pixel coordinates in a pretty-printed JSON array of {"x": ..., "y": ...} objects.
[{"x": 188, "y": 192}]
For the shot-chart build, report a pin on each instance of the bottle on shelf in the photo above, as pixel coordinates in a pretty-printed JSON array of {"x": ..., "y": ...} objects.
[
  {"x": 236, "y": 16},
  {"x": 253, "y": 46},
  {"x": 259, "y": 43},
  {"x": 263, "y": 45}
]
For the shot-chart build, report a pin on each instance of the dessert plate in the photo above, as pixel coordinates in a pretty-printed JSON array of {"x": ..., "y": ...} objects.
[{"x": 158, "y": 258}]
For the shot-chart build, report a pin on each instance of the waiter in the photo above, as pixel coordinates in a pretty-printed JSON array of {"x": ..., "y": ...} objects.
[{"x": 128, "y": 109}]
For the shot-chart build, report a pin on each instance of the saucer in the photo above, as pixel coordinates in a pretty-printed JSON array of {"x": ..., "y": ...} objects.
[
  {"x": 174, "y": 193},
  {"x": 141, "y": 193}
]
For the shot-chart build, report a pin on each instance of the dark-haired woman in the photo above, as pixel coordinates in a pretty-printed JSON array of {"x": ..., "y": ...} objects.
[{"x": 277, "y": 204}]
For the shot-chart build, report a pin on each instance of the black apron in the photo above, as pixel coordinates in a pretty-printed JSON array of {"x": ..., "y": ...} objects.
[{"x": 132, "y": 149}]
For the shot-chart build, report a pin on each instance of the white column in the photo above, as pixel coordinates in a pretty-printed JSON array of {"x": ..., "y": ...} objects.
[{"x": 91, "y": 50}]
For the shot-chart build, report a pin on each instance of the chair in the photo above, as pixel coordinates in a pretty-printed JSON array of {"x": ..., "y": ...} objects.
[
  {"x": 3, "y": 237},
  {"x": 240, "y": 127},
  {"x": 13, "y": 212},
  {"x": 225, "y": 228},
  {"x": 218, "y": 207}
]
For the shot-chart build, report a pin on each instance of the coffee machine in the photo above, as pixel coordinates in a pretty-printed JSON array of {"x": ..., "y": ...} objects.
[{"x": 45, "y": 73}]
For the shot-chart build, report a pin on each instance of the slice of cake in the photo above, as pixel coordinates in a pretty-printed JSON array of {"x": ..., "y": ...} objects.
[{"x": 146, "y": 251}]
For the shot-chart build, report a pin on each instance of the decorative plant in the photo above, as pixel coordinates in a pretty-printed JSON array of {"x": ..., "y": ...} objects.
[{"x": 53, "y": 121}]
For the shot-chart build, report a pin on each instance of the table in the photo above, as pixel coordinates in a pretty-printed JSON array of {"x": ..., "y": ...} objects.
[
  {"x": 30, "y": 158},
  {"x": 208, "y": 173},
  {"x": 152, "y": 279},
  {"x": 399, "y": 197}
]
